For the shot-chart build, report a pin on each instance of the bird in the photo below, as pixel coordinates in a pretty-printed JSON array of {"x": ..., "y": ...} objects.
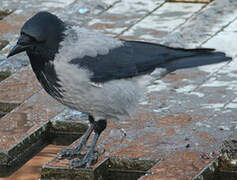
[{"x": 94, "y": 73}]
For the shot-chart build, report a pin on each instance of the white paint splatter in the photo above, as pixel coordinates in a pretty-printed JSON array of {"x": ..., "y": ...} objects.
[
  {"x": 158, "y": 86},
  {"x": 197, "y": 94},
  {"x": 231, "y": 105},
  {"x": 186, "y": 89},
  {"x": 212, "y": 68},
  {"x": 144, "y": 103},
  {"x": 216, "y": 106},
  {"x": 58, "y": 3}
]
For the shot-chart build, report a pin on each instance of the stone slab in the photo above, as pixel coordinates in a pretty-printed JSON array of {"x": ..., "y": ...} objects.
[
  {"x": 123, "y": 15},
  {"x": 191, "y": 1},
  {"x": 163, "y": 21}
]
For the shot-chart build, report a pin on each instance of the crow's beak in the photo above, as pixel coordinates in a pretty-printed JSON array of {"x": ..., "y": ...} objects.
[
  {"x": 17, "y": 49},
  {"x": 22, "y": 45}
]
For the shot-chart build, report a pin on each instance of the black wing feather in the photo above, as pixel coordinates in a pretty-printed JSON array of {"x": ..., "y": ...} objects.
[{"x": 116, "y": 64}]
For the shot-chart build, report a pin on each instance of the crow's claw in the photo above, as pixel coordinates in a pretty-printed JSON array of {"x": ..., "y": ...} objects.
[
  {"x": 86, "y": 161},
  {"x": 68, "y": 153}
]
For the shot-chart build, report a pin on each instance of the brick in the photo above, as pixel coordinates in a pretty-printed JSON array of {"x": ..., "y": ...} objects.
[
  {"x": 19, "y": 87},
  {"x": 25, "y": 125}
]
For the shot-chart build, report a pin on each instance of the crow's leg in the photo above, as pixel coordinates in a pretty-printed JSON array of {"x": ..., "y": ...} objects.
[
  {"x": 75, "y": 152},
  {"x": 98, "y": 127}
]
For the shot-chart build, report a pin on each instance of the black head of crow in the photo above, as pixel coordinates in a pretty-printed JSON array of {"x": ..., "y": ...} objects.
[{"x": 97, "y": 74}]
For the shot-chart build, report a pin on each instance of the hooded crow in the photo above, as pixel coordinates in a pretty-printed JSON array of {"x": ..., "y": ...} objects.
[{"x": 96, "y": 74}]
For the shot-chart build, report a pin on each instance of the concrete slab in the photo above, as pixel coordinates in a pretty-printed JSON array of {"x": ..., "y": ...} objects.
[
  {"x": 211, "y": 19},
  {"x": 224, "y": 41},
  {"x": 191, "y": 1},
  {"x": 163, "y": 21},
  {"x": 123, "y": 15}
]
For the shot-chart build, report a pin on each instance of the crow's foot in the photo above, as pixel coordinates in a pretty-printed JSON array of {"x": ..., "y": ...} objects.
[
  {"x": 91, "y": 155},
  {"x": 72, "y": 153},
  {"x": 89, "y": 158}
]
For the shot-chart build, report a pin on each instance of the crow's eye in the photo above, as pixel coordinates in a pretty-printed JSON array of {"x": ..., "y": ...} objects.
[
  {"x": 30, "y": 38},
  {"x": 33, "y": 48}
]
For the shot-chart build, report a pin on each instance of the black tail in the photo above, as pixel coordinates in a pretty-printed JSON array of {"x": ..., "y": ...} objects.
[
  {"x": 149, "y": 56},
  {"x": 198, "y": 57}
]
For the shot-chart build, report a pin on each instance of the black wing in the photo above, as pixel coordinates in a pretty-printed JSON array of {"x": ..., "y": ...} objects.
[
  {"x": 131, "y": 59},
  {"x": 118, "y": 63},
  {"x": 135, "y": 58}
]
